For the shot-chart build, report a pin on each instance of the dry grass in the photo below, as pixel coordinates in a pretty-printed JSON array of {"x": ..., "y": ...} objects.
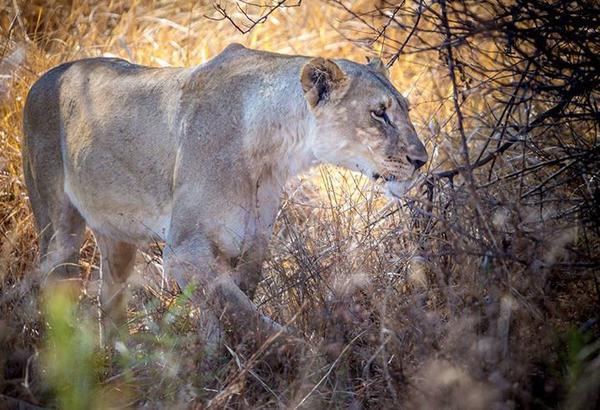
[{"x": 400, "y": 305}]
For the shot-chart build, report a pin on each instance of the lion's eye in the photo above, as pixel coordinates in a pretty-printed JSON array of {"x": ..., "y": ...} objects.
[{"x": 379, "y": 114}]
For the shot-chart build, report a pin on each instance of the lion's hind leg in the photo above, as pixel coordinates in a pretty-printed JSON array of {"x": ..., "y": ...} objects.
[
  {"x": 118, "y": 260},
  {"x": 61, "y": 237}
]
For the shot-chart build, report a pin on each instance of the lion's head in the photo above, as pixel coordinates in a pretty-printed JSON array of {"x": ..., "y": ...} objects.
[{"x": 362, "y": 122}]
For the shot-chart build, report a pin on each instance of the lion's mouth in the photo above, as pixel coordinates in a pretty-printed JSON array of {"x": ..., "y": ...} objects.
[
  {"x": 397, "y": 189},
  {"x": 394, "y": 187},
  {"x": 386, "y": 178}
]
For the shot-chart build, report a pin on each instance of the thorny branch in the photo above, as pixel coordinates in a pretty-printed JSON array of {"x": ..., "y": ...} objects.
[{"x": 451, "y": 69}]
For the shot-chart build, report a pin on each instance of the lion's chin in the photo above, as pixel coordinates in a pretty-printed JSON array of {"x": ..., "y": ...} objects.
[{"x": 397, "y": 189}]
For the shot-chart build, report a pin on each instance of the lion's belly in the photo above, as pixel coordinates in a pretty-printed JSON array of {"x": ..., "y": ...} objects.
[
  {"x": 124, "y": 195},
  {"x": 134, "y": 219}
]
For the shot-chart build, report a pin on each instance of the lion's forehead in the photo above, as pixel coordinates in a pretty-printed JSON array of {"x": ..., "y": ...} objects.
[{"x": 367, "y": 77}]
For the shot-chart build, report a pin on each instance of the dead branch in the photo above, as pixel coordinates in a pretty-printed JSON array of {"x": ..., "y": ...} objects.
[{"x": 249, "y": 20}]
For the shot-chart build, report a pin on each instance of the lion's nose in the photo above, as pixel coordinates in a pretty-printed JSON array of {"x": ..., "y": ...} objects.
[
  {"x": 417, "y": 163},
  {"x": 417, "y": 155}
]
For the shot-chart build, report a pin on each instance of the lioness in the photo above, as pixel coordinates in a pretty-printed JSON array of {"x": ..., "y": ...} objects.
[{"x": 197, "y": 157}]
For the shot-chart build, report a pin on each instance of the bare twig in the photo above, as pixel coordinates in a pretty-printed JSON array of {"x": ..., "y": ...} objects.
[
  {"x": 251, "y": 21},
  {"x": 408, "y": 37}
]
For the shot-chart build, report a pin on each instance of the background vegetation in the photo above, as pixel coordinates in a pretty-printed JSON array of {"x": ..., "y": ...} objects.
[{"x": 479, "y": 291}]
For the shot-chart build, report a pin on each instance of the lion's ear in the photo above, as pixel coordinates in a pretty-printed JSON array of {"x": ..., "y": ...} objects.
[
  {"x": 377, "y": 65},
  {"x": 319, "y": 77}
]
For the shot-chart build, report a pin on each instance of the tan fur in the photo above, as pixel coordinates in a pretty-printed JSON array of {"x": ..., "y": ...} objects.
[{"x": 197, "y": 157}]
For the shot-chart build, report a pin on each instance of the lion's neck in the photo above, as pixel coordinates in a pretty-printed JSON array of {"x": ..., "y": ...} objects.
[{"x": 283, "y": 139}]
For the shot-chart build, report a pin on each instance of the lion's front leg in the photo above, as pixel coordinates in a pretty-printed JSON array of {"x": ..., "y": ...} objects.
[
  {"x": 248, "y": 268},
  {"x": 195, "y": 263}
]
